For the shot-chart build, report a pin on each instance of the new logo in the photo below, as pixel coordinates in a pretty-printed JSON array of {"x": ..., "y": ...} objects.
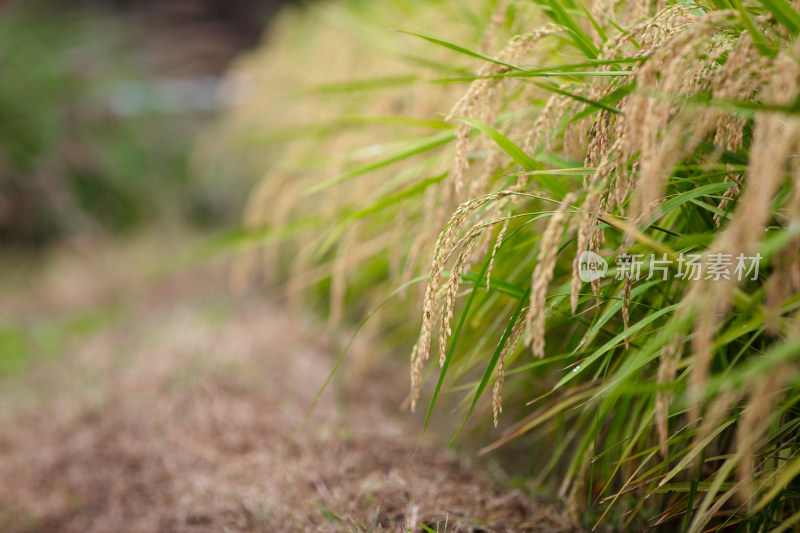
[{"x": 591, "y": 266}]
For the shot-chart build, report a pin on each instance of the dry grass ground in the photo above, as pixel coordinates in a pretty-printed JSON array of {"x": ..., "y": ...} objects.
[{"x": 178, "y": 414}]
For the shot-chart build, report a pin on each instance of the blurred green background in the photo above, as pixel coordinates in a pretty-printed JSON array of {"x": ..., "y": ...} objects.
[
  {"x": 101, "y": 103},
  {"x": 99, "y": 106}
]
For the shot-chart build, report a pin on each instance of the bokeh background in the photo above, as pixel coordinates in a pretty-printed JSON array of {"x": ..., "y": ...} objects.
[
  {"x": 138, "y": 391},
  {"x": 99, "y": 106}
]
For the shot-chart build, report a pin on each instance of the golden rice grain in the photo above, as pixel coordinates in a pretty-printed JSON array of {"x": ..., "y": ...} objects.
[
  {"x": 542, "y": 275},
  {"x": 509, "y": 348}
]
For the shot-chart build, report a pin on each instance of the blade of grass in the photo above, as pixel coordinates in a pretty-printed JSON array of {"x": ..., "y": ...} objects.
[
  {"x": 616, "y": 341},
  {"x": 784, "y": 13},
  {"x": 418, "y": 148},
  {"x": 595, "y": 103},
  {"x": 597, "y": 27},
  {"x": 536, "y": 74},
  {"x": 555, "y": 10},
  {"x": 758, "y": 37},
  {"x": 393, "y": 199},
  {"x": 788, "y": 473},
  {"x": 352, "y": 86},
  {"x": 344, "y": 351},
  {"x": 558, "y": 189},
  {"x": 460, "y": 49}
]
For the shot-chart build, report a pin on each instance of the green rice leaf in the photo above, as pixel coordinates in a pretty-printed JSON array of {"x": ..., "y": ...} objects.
[
  {"x": 418, "y": 148},
  {"x": 784, "y": 13},
  {"x": 460, "y": 49},
  {"x": 558, "y": 189}
]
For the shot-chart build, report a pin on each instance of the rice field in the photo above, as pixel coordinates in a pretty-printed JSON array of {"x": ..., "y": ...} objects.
[{"x": 577, "y": 222}]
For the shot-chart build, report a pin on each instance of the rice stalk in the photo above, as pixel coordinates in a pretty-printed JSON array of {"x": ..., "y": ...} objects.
[{"x": 663, "y": 129}]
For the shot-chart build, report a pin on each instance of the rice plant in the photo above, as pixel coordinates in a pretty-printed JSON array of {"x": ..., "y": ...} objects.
[{"x": 592, "y": 210}]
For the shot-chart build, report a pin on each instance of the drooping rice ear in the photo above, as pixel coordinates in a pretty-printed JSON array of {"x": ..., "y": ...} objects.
[
  {"x": 495, "y": 22},
  {"x": 445, "y": 244},
  {"x": 257, "y": 217},
  {"x": 497, "y": 243},
  {"x": 667, "y": 368},
  {"x": 785, "y": 278},
  {"x": 707, "y": 308},
  {"x": 509, "y": 348},
  {"x": 587, "y": 228},
  {"x": 626, "y": 305},
  {"x": 483, "y": 99},
  {"x": 578, "y": 486},
  {"x": 754, "y": 422},
  {"x": 774, "y": 137},
  {"x": 546, "y": 124},
  {"x": 453, "y": 284},
  {"x": 461, "y": 161},
  {"x": 656, "y": 125},
  {"x": 339, "y": 276},
  {"x": 716, "y": 410},
  {"x": 542, "y": 275}
]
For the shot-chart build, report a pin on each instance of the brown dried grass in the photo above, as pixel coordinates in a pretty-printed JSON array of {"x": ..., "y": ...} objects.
[{"x": 181, "y": 417}]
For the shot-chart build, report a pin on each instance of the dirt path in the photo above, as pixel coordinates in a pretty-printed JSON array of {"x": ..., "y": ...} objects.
[{"x": 178, "y": 414}]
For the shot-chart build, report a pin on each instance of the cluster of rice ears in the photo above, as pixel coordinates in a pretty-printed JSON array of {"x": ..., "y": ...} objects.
[{"x": 456, "y": 169}]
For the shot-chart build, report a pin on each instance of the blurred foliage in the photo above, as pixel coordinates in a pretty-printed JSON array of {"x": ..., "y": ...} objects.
[
  {"x": 24, "y": 343},
  {"x": 86, "y": 141}
]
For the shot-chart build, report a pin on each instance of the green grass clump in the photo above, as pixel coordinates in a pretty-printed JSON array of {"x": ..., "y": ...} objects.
[{"x": 489, "y": 145}]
